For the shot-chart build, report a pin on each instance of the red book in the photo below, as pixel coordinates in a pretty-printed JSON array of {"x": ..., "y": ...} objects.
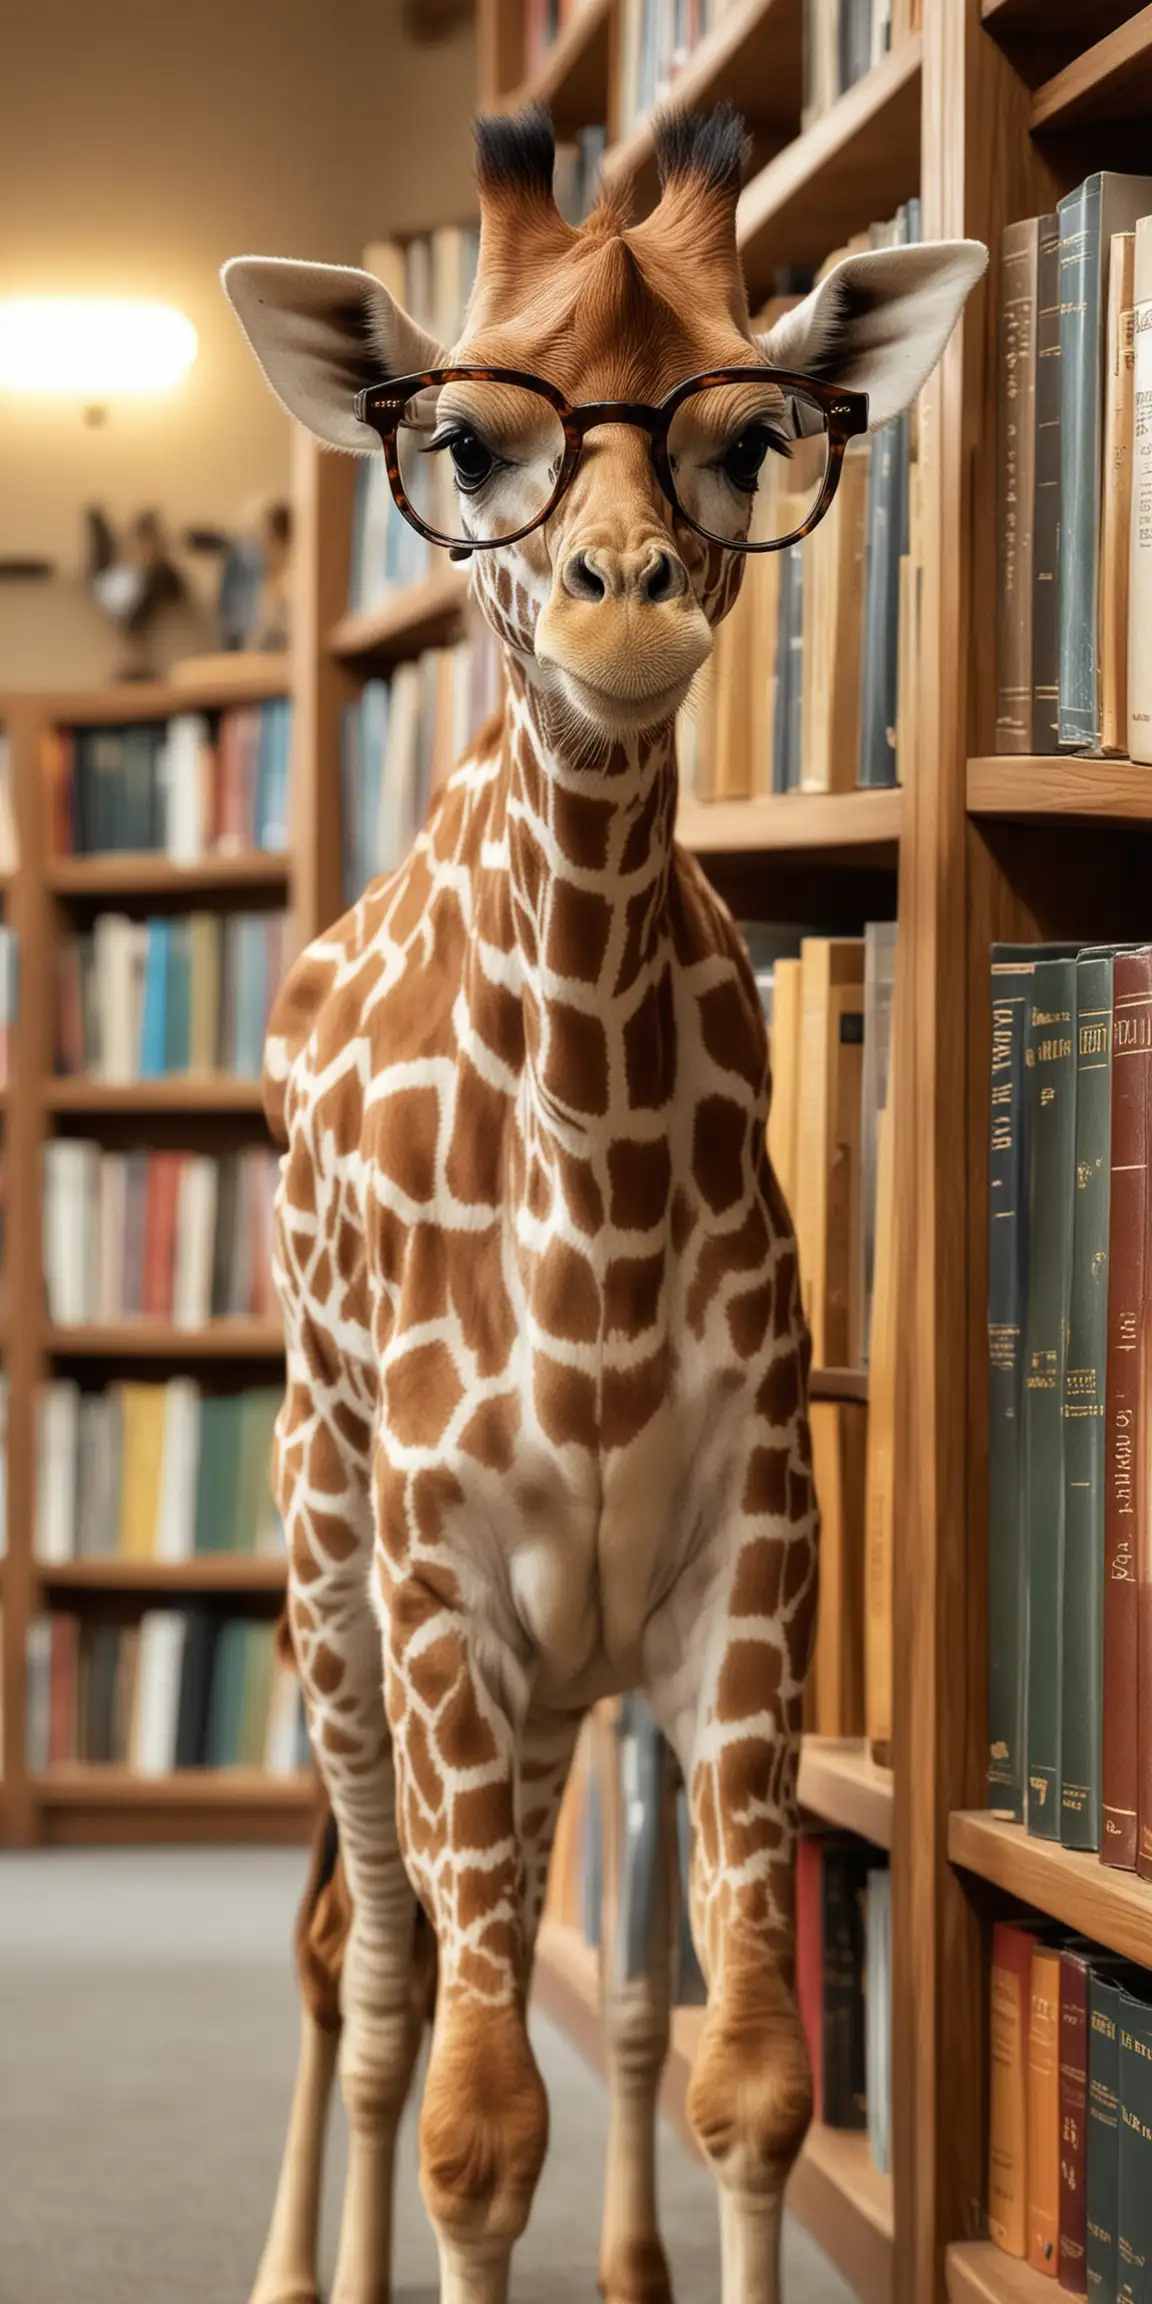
[
  {"x": 63, "y": 1683},
  {"x": 810, "y": 1958},
  {"x": 1071, "y": 2263},
  {"x": 1124, "y": 1410},
  {"x": 230, "y": 780},
  {"x": 164, "y": 1172}
]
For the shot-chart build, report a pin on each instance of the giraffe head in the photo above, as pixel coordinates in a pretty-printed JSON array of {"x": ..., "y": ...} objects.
[{"x": 611, "y": 601}]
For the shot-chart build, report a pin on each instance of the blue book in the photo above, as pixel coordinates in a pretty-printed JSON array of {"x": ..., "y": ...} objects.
[
  {"x": 154, "y": 1032},
  {"x": 272, "y": 776}
]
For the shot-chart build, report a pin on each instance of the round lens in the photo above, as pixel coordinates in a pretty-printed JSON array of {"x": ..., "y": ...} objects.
[
  {"x": 479, "y": 461},
  {"x": 749, "y": 460}
]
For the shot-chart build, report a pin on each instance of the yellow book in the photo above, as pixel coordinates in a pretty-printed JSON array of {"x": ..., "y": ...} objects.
[
  {"x": 827, "y": 1198},
  {"x": 839, "y": 1441},
  {"x": 833, "y": 614},
  {"x": 204, "y": 992},
  {"x": 141, "y": 1459},
  {"x": 784, "y": 1042}
]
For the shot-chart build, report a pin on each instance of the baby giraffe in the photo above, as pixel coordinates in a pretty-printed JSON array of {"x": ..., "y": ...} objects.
[{"x": 544, "y": 1435}]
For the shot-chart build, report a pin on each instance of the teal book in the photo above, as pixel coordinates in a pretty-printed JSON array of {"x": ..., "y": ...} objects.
[
  {"x": 1084, "y": 1403},
  {"x": 226, "y": 1699},
  {"x": 178, "y": 1017},
  {"x": 1105, "y": 203},
  {"x": 886, "y": 541},
  {"x": 1050, "y": 1064},
  {"x": 217, "y": 1474},
  {"x": 1103, "y": 2155},
  {"x": 154, "y": 1030},
  {"x": 1134, "y": 2217},
  {"x": 1011, "y": 983}
]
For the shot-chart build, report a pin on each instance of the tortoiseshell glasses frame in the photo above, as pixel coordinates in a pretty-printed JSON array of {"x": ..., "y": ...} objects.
[{"x": 845, "y": 417}]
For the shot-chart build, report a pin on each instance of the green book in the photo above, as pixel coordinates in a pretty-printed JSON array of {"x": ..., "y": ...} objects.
[
  {"x": 1084, "y": 1433},
  {"x": 226, "y": 1699},
  {"x": 251, "y": 1515},
  {"x": 217, "y": 1473},
  {"x": 178, "y": 1009},
  {"x": 1051, "y": 1089},
  {"x": 1013, "y": 967},
  {"x": 259, "y": 1664},
  {"x": 1134, "y": 2217},
  {"x": 1103, "y": 2136}
]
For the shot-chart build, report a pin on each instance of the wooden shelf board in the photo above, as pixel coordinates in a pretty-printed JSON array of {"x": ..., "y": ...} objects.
[
  {"x": 75, "y": 1786},
  {"x": 200, "y": 682},
  {"x": 833, "y": 2190},
  {"x": 242, "y": 676},
  {"x": 752, "y": 55},
  {"x": 181, "y": 1092},
  {"x": 838, "y": 1384},
  {"x": 1070, "y": 788},
  {"x": 841, "y": 1784},
  {"x": 417, "y": 616},
  {"x": 159, "y": 1340},
  {"x": 210, "y": 1572},
  {"x": 855, "y": 164},
  {"x": 573, "y": 77},
  {"x": 977, "y": 2272},
  {"x": 1111, "y": 81},
  {"x": 791, "y": 820},
  {"x": 146, "y": 875},
  {"x": 1113, "y": 1908}
]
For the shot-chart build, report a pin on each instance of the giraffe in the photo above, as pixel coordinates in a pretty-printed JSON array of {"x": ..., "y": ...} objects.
[{"x": 544, "y": 1434}]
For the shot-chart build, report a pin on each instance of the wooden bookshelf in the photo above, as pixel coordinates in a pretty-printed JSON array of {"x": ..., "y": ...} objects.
[
  {"x": 843, "y": 822},
  {"x": 838, "y": 1384},
  {"x": 179, "y": 1092},
  {"x": 160, "y": 1340},
  {"x": 241, "y": 677},
  {"x": 752, "y": 58},
  {"x": 106, "y": 877},
  {"x": 841, "y": 1784},
  {"x": 853, "y": 167},
  {"x": 1109, "y": 84},
  {"x": 417, "y": 616},
  {"x": 1067, "y": 789},
  {"x": 573, "y": 78},
  {"x": 222, "y": 1572},
  {"x": 100, "y": 1807},
  {"x": 976, "y": 2272},
  {"x": 1112, "y": 1908}
]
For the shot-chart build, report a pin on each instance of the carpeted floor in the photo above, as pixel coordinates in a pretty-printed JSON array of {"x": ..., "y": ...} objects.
[{"x": 147, "y": 2043}]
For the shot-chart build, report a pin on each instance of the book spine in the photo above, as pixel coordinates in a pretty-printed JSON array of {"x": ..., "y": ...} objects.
[
  {"x": 1046, "y": 502},
  {"x": 1140, "y": 544},
  {"x": 1019, "y": 255},
  {"x": 1103, "y": 2171},
  {"x": 1080, "y": 382},
  {"x": 1116, "y": 506},
  {"x": 1008, "y": 2058},
  {"x": 1043, "y": 2119},
  {"x": 1131, "y": 1051},
  {"x": 1084, "y": 1411},
  {"x": 1050, "y": 1058},
  {"x": 843, "y": 1991},
  {"x": 1007, "y": 1270},
  {"x": 1134, "y": 2215},
  {"x": 1074, "y": 1979}
]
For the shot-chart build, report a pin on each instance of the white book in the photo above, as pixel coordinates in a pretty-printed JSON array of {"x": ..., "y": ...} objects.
[
  {"x": 176, "y": 1514},
  {"x": 195, "y": 1243},
  {"x": 38, "y": 1699},
  {"x": 114, "y": 940},
  {"x": 878, "y": 2017},
  {"x": 152, "y": 1744},
  {"x": 187, "y": 742},
  {"x": 57, "y": 1450},
  {"x": 397, "y": 822},
  {"x": 113, "y": 1235},
  {"x": 282, "y": 1741},
  {"x": 71, "y": 1193},
  {"x": 1140, "y": 544}
]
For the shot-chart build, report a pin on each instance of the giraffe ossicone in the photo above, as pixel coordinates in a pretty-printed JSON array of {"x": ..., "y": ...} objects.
[{"x": 544, "y": 1435}]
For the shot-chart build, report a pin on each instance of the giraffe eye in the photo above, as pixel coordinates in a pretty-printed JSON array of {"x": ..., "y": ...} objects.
[
  {"x": 743, "y": 458},
  {"x": 472, "y": 460}
]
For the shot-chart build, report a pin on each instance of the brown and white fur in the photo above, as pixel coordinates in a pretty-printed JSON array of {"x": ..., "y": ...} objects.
[{"x": 544, "y": 1435}]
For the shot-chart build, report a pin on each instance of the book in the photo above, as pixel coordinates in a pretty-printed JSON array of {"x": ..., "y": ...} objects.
[
  {"x": 839, "y": 1445},
  {"x": 1116, "y": 505},
  {"x": 1011, "y": 2004},
  {"x": 144, "y": 1000},
  {"x": 810, "y": 1957},
  {"x": 1134, "y": 2210},
  {"x": 1019, "y": 281},
  {"x": 880, "y": 1464},
  {"x": 786, "y": 1042},
  {"x": 845, "y": 1867},
  {"x": 1125, "y": 1412},
  {"x": 827, "y": 1206},
  {"x": 887, "y": 544},
  {"x": 159, "y": 1234},
  {"x": 1085, "y": 1409},
  {"x": 180, "y": 788},
  {"x": 184, "y": 1687},
  {"x": 1042, "y": 2125},
  {"x": 1140, "y": 540},
  {"x": 1046, "y": 518},
  {"x": 1050, "y": 1065},
  {"x": 878, "y": 2018},
  {"x": 879, "y": 996},
  {"x": 1075, "y": 1982},
  {"x": 119, "y": 1473},
  {"x": 1104, "y": 205},
  {"x": 1102, "y": 2202}
]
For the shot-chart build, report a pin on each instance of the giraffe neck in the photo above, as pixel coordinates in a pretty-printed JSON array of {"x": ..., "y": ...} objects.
[{"x": 590, "y": 846}]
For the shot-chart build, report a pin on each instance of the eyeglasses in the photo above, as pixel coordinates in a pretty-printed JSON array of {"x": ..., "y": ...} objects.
[{"x": 479, "y": 457}]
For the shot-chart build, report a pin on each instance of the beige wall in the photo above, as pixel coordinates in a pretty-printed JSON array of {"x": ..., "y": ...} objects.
[{"x": 141, "y": 143}]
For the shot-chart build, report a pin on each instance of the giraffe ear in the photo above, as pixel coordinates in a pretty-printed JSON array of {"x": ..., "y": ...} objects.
[
  {"x": 879, "y": 322},
  {"x": 321, "y": 333}
]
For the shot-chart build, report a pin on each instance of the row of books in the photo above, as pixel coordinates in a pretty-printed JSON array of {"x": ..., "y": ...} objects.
[
  {"x": 1070, "y": 2125},
  {"x": 179, "y": 787},
  {"x": 178, "y": 1236},
  {"x": 143, "y": 999},
  {"x": 9, "y": 998},
  {"x": 1075, "y": 475},
  {"x": 398, "y": 740},
  {"x": 182, "y": 1688},
  {"x": 1069, "y": 1310},
  {"x": 844, "y": 1984},
  {"x": 811, "y": 683},
  {"x": 843, "y": 39},
  {"x": 154, "y": 1471}
]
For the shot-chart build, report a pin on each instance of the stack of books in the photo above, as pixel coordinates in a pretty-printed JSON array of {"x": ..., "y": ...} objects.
[
  {"x": 154, "y": 1472},
  {"x": 182, "y": 1688},
  {"x": 844, "y": 1984},
  {"x": 811, "y": 683},
  {"x": 1075, "y": 476},
  {"x": 145, "y": 999},
  {"x": 1070, "y": 1354},
  {"x": 179, "y": 788},
  {"x": 399, "y": 740},
  {"x": 1070, "y": 2126},
  {"x": 176, "y": 1236}
]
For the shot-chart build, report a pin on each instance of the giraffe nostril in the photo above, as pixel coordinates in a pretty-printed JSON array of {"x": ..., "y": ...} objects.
[
  {"x": 582, "y": 580},
  {"x": 665, "y": 578}
]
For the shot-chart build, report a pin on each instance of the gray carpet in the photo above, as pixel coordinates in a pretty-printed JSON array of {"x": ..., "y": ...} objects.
[{"x": 147, "y": 2044}]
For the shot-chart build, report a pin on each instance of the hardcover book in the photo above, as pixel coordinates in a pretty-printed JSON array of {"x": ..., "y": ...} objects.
[
  {"x": 1084, "y": 1410},
  {"x": 1125, "y": 1420},
  {"x": 1051, "y": 1067}
]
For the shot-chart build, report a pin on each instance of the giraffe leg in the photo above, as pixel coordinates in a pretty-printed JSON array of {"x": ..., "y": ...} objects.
[{"x": 637, "y": 2004}]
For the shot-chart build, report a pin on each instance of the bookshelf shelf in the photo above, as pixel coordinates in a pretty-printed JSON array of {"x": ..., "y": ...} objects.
[
  {"x": 185, "y": 1787},
  {"x": 834, "y": 2189},
  {"x": 417, "y": 616},
  {"x": 146, "y": 875},
  {"x": 202, "y": 683},
  {"x": 838, "y": 1384},
  {"x": 793, "y": 821},
  {"x": 841, "y": 1784},
  {"x": 1109, "y": 83},
  {"x": 243, "y": 677},
  {"x": 99, "y": 1806},
  {"x": 573, "y": 78},
  {"x": 976, "y": 2272},
  {"x": 857, "y": 162},
  {"x": 1074, "y": 790},
  {"x": 753, "y": 56},
  {"x": 181, "y": 1093},
  {"x": 1113, "y": 1908},
  {"x": 213, "y": 1572},
  {"x": 158, "y": 1340}
]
